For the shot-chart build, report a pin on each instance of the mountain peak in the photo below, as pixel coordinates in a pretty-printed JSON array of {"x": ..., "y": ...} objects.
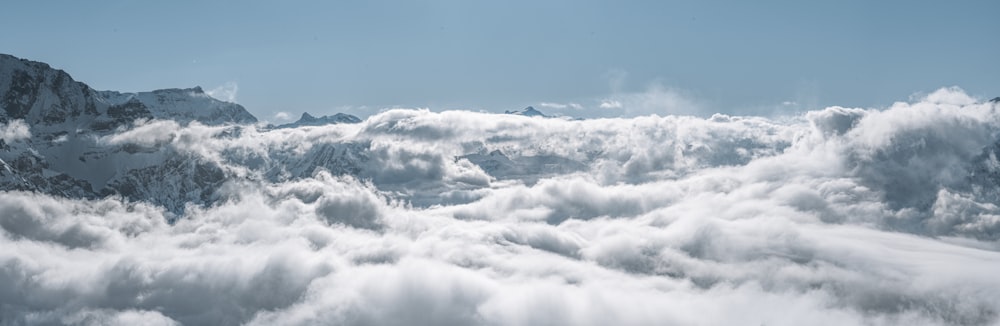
[
  {"x": 45, "y": 96},
  {"x": 309, "y": 120},
  {"x": 528, "y": 112},
  {"x": 195, "y": 90},
  {"x": 995, "y": 100}
]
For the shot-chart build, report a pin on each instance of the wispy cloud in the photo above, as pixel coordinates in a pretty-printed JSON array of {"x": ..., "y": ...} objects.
[
  {"x": 655, "y": 99},
  {"x": 225, "y": 92},
  {"x": 610, "y": 104},
  {"x": 560, "y": 106},
  {"x": 282, "y": 116}
]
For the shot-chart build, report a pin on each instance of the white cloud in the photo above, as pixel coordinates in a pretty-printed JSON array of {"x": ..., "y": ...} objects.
[
  {"x": 560, "y": 106},
  {"x": 610, "y": 104},
  {"x": 648, "y": 220},
  {"x": 225, "y": 92},
  {"x": 14, "y": 130},
  {"x": 283, "y": 116},
  {"x": 656, "y": 99},
  {"x": 950, "y": 95},
  {"x": 145, "y": 133}
]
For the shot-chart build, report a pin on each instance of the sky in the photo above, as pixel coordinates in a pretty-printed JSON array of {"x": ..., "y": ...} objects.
[{"x": 578, "y": 58}]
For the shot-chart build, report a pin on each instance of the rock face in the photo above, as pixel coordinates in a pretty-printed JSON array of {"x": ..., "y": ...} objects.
[
  {"x": 48, "y": 98},
  {"x": 67, "y": 153},
  {"x": 61, "y": 137}
]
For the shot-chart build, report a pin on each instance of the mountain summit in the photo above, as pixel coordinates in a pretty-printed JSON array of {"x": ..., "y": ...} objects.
[
  {"x": 43, "y": 96},
  {"x": 68, "y": 148},
  {"x": 528, "y": 112},
  {"x": 309, "y": 120}
]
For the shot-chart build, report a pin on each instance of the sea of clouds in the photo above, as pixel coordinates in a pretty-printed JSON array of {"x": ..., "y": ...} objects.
[{"x": 839, "y": 216}]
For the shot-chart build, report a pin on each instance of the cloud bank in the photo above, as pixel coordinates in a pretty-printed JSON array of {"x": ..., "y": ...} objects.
[{"x": 837, "y": 216}]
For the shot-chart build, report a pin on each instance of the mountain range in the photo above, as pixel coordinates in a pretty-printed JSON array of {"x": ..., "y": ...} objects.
[
  {"x": 74, "y": 144},
  {"x": 71, "y": 151},
  {"x": 60, "y": 136}
]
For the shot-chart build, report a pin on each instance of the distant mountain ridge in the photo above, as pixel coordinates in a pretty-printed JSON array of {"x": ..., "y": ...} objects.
[
  {"x": 65, "y": 129},
  {"x": 43, "y": 96},
  {"x": 528, "y": 112},
  {"x": 66, "y": 144},
  {"x": 66, "y": 155},
  {"x": 309, "y": 120}
]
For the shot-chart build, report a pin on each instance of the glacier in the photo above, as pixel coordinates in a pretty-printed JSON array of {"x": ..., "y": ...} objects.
[{"x": 172, "y": 207}]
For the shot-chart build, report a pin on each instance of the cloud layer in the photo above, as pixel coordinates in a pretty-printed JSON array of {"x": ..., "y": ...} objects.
[{"x": 838, "y": 216}]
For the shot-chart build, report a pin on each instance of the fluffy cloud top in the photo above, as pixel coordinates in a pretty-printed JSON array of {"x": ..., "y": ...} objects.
[
  {"x": 839, "y": 216},
  {"x": 14, "y": 130}
]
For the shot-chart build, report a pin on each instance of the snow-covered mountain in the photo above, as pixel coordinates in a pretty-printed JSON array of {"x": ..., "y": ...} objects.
[
  {"x": 528, "y": 112},
  {"x": 309, "y": 120},
  {"x": 69, "y": 151},
  {"x": 49, "y": 99},
  {"x": 73, "y": 141}
]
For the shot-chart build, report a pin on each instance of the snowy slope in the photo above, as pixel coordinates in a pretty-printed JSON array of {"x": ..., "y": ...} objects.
[{"x": 68, "y": 152}]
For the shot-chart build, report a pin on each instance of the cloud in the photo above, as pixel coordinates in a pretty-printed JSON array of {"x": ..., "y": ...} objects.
[
  {"x": 225, "y": 92},
  {"x": 951, "y": 95},
  {"x": 431, "y": 218},
  {"x": 14, "y": 130},
  {"x": 656, "y": 99},
  {"x": 283, "y": 116},
  {"x": 145, "y": 133},
  {"x": 571, "y": 105},
  {"x": 610, "y": 104}
]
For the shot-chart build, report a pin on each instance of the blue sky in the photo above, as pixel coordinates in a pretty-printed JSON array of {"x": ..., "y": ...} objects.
[{"x": 569, "y": 57}]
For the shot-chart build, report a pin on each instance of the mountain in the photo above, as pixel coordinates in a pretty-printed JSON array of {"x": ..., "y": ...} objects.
[
  {"x": 68, "y": 150},
  {"x": 309, "y": 120},
  {"x": 59, "y": 136},
  {"x": 46, "y": 97},
  {"x": 528, "y": 112},
  {"x": 177, "y": 148}
]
